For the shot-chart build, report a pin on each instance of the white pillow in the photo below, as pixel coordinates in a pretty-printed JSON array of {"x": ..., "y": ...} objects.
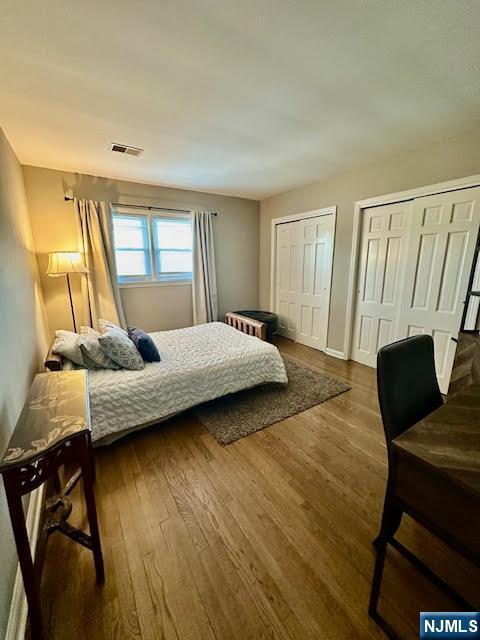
[
  {"x": 88, "y": 331},
  {"x": 92, "y": 354},
  {"x": 67, "y": 344},
  {"x": 105, "y": 325}
]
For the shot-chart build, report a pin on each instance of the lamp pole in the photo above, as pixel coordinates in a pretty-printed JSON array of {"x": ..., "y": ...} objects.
[
  {"x": 63, "y": 263},
  {"x": 71, "y": 303}
]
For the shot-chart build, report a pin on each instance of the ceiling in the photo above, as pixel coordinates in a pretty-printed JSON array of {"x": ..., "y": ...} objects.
[{"x": 243, "y": 97}]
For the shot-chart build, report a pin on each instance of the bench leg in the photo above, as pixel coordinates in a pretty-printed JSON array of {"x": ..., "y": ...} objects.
[
  {"x": 88, "y": 479},
  {"x": 30, "y": 581}
]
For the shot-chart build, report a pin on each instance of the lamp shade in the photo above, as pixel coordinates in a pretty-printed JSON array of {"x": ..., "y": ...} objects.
[{"x": 63, "y": 262}]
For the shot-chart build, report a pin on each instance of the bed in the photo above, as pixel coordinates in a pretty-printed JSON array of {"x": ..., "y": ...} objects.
[{"x": 198, "y": 364}]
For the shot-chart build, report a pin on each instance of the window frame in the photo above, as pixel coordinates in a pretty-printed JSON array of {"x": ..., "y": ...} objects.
[
  {"x": 138, "y": 278},
  {"x": 155, "y": 278},
  {"x": 172, "y": 276}
]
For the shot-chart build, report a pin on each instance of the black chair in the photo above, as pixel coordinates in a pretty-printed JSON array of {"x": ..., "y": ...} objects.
[{"x": 408, "y": 391}]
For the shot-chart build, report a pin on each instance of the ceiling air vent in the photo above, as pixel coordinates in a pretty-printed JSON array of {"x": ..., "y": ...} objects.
[{"x": 123, "y": 148}]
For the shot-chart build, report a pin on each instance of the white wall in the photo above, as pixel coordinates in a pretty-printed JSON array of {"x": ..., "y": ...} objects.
[
  {"x": 446, "y": 160},
  {"x": 22, "y": 335},
  {"x": 152, "y": 308}
]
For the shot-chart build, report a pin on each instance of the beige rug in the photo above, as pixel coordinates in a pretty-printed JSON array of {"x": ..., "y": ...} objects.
[{"x": 240, "y": 414}]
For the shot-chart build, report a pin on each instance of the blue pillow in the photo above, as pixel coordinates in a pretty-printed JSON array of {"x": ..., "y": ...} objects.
[{"x": 145, "y": 345}]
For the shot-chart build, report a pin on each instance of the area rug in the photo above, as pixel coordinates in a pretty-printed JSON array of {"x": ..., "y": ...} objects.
[{"x": 240, "y": 414}]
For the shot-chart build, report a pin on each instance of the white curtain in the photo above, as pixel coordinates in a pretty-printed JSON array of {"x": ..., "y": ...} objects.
[
  {"x": 101, "y": 295},
  {"x": 204, "y": 277}
]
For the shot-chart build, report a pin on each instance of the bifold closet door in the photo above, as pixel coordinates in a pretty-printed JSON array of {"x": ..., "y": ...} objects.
[
  {"x": 441, "y": 248},
  {"x": 303, "y": 279},
  {"x": 316, "y": 239},
  {"x": 287, "y": 278},
  {"x": 383, "y": 248}
]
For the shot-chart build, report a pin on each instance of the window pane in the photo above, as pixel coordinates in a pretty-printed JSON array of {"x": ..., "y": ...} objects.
[
  {"x": 132, "y": 247},
  {"x": 132, "y": 263},
  {"x": 175, "y": 261},
  {"x": 173, "y": 234},
  {"x": 130, "y": 232}
]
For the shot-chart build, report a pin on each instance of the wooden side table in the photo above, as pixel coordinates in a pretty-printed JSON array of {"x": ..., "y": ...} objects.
[{"x": 53, "y": 430}]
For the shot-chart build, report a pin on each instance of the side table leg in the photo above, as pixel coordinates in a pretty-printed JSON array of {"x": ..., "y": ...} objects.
[
  {"x": 25, "y": 557},
  {"x": 87, "y": 476}
]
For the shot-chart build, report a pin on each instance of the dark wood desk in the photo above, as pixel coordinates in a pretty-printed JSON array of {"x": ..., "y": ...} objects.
[
  {"x": 438, "y": 471},
  {"x": 53, "y": 430}
]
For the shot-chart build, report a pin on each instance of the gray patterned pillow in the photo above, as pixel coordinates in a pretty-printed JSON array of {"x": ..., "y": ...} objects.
[
  {"x": 92, "y": 353},
  {"x": 118, "y": 346}
]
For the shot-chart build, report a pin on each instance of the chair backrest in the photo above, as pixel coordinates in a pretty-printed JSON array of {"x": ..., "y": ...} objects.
[{"x": 407, "y": 384}]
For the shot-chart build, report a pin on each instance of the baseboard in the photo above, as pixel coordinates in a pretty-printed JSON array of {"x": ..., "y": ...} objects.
[
  {"x": 334, "y": 353},
  {"x": 17, "y": 620}
]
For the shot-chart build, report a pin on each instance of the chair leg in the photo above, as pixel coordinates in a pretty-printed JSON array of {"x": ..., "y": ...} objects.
[
  {"x": 391, "y": 518},
  {"x": 390, "y": 525},
  {"x": 381, "y": 547}
]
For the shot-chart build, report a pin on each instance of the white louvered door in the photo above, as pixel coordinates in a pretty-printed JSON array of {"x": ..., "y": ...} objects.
[
  {"x": 441, "y": 248},
  {"x": 288, "y": 278},
  {"x": 379, "y": 279},
  {"x": 316, "y": 237}
]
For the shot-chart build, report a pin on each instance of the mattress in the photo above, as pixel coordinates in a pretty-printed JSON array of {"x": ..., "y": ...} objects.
[{"x": 198, "y": 364}]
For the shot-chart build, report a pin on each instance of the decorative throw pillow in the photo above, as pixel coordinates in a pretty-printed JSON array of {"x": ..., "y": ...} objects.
[
  {"x": 71, "y": 366},
  {"x": 145, "y": 345},
  {"x": 118, "y": 346},
  {"x": 105, "y": 325},
  {"x": 92, "y": 353},
  {"x": 88, "y": 331},
  {"x": 67, "y": 344}
]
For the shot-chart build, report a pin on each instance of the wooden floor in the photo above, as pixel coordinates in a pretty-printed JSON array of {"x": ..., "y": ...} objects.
[{"x": 269, "y": 537}]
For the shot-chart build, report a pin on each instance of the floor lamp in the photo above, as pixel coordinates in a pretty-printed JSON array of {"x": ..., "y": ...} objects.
[{"x": 63, "y": 263}]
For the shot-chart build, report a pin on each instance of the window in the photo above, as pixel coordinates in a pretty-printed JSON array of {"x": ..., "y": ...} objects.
[
  {"x": 172, "y": 239},
  {"x": 132, "y": 248},
  {"x": 152, "y": 248}
]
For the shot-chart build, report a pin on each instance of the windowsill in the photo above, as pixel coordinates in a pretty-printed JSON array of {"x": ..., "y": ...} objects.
[{"x": 154, "y": 283}]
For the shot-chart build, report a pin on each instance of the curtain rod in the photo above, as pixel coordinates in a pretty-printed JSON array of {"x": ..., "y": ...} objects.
[{"x": 142, "y": 206}]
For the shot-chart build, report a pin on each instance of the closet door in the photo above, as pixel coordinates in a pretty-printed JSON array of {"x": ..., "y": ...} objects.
[
  {"x": 316, "y": 239},
  {"x": 441, "y": 248},
  {"x": 379, "y": 278},
  {"x": 288, "y": 280}
]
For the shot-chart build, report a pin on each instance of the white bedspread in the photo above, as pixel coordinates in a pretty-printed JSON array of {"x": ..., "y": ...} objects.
[{"x": 198, "y": 364}]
